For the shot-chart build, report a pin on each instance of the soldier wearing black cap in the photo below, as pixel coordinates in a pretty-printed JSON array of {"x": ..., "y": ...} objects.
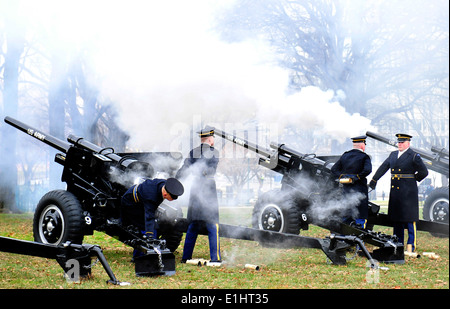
[
  {"x": 352, "y": 168},
  {"x": 140, "y": 202},
  {"x": 203, "y": 208},
  {"x": 407, "y": 168}
]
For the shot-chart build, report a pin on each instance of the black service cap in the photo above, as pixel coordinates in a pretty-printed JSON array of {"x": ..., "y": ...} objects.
[
  {"x": 359, "y": 139},
  {"x": 174, "y": 187},
  {"x": 205, "y": 132},
  {"x": 401, "y": 137}
]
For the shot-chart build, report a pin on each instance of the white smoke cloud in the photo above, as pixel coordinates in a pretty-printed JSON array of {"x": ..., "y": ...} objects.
[
  {"x": 332, "y": 208},
  {"x": 165, "y": 69},
  {"x": 312, "y": 108},
  {"x": 163, "y": 66}
]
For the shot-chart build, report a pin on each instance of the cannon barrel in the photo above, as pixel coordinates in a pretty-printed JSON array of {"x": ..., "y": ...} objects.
[
  {"x": 63, "y": 146},
  {"x": 244, "y": 143},
  {"x": 381, "y": 138},
  {"x": 440, "y": 151},
  {"x": 436, "y": 159},
  {"x": 268, "y": 158},
  {"x": 310, "y": 158},
  {"x": 52, "y": 141},
  {"x": 280, "y": 158},
  {"x": 267, "y": 153},
  {"x": 107, "y": 152}
]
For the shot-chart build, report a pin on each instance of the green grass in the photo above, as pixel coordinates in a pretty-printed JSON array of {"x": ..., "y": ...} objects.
[{"x": 280, "y": 268}]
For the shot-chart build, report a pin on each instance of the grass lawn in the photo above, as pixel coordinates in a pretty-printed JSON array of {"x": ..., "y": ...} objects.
[{"x": 279, "y": 268}]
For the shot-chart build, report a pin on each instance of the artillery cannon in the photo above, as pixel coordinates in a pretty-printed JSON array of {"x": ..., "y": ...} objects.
[
  {"x": 309, "y": 192},
  {"x": 96, "y": 180},
  {"x": 92, "y": 202},
  {"x": 307, "y": 179},
  {"x": 435, "y": 207}
]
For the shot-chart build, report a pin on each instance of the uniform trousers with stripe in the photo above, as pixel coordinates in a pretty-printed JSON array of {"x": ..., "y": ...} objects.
[
  {"x": 399, "y": 231},
  {"x": 362, "y": 223},
  {"x": 213, "y": 236}
]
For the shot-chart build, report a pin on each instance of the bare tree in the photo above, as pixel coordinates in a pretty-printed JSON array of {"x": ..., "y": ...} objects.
[
  {"x": 55, "y": 94},
  {"x": 389, "y": 57},
  {"x": 14, "y": 42}
]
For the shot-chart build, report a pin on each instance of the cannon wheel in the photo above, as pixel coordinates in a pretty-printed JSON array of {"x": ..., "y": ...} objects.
[
  {"x": 272, "y": 213},
  {"x": 58, "y": 218},
  {"x": 435, "y": 207}
]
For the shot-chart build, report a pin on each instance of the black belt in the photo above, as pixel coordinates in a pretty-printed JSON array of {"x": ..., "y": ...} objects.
[{"x": 399, "y": 176}]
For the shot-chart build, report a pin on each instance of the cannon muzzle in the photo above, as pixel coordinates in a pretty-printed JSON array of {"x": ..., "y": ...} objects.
[
  {"x": 52, "y": 141},
  {"x": 440, "y": 151}
]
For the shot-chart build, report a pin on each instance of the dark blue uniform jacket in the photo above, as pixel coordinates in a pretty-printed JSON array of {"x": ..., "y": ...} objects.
[
  {"x": 357, "y": 165},
  {"x": 140, "y": 202},
  {"x": 405, "y": 172},
  {"x": 201, "y": 163}
]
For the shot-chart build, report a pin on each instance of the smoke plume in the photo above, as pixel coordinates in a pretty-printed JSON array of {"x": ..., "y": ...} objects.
[
  {"x": 171, "y": 72},
  {"x": 166, "y": 71}
]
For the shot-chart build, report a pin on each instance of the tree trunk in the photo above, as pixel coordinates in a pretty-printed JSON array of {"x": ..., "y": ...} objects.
[{"x": 8, "y": 164}]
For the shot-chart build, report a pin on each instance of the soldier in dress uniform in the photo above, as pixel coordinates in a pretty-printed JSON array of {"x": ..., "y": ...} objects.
[
  {"x": 407, "y": 168},
  {"x": 203, "y": 208},
  {"x": 354, "y": 166},
  {"x": 140, "y": 202}
]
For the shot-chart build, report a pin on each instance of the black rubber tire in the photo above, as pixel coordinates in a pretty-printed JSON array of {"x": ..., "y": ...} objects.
[
  {"x": 272, "y": 213},
  {"x": 436, "y": 206},
  {"x": 58, "y": 218}
]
